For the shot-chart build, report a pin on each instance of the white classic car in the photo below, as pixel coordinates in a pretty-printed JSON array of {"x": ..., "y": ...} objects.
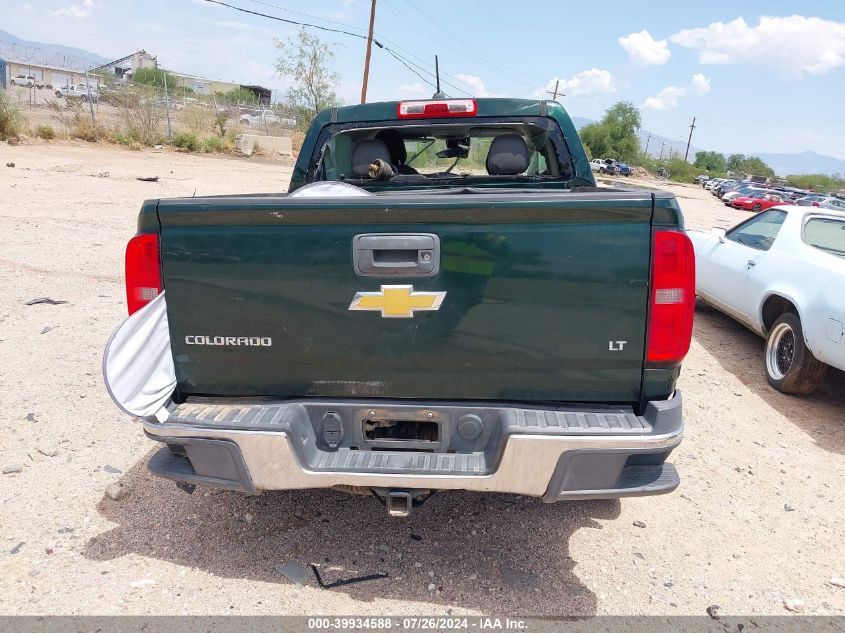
[{"x": 782, "y": 274}]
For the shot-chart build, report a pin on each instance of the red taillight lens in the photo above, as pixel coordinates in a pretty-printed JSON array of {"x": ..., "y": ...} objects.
[
  {"x": 672, "y": 297},
  {"x": 434, "y": 109},
  {"x": 143, "y": 271}
]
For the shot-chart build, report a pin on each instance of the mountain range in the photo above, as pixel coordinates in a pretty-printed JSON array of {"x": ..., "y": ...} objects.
[
  {"x": 808, "y": 162},
  {"x": 16, "y": 48}
]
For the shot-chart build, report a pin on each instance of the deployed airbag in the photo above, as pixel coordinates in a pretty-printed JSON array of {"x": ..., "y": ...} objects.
[{"x": 138, "y": 365}]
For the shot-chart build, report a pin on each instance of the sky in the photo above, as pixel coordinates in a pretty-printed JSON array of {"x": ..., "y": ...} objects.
[{"x": 758, "y": 76}]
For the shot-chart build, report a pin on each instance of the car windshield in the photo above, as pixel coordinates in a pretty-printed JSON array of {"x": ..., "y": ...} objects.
[{"x": 759, "y": 232}]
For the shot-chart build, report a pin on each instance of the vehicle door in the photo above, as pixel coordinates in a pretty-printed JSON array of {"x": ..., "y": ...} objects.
[{"x": 725, "y": 265}]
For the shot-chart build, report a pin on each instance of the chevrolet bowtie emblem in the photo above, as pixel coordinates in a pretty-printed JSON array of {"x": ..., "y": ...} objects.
[{"x": 397, "y": 302}]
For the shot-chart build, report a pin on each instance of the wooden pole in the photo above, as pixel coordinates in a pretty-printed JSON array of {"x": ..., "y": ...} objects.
[
  {"x": 369, "y": 51},
  {"x": 689, "y": 140}
]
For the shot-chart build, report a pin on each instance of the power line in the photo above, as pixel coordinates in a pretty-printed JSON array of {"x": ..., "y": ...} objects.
[
  {"x": 277, "y": 18},
  {"x": 377, "y": 34},
  {"x": 457, "y": 39},
  {"x": 306, "y": 15},
  {"x": 407, "y": 63}
]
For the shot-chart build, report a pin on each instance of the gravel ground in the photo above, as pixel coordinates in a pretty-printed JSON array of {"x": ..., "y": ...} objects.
[{"x": 756, "y": 523}]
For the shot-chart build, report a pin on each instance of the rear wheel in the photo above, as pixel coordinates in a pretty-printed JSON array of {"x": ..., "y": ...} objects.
[
  {"x": 756, "y": 208},
  {"x": 790, "y": 366}
]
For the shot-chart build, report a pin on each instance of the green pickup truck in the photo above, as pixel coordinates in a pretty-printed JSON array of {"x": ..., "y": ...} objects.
[{"x": 443, "y": 300}]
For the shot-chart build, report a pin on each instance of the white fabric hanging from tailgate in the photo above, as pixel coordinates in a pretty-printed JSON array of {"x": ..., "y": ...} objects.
[{"x": 138, "y": 365}]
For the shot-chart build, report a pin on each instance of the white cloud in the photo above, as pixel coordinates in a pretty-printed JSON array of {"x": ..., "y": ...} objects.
[
  {"x": 669, "y": 96},
  {"x": 588, "y": 83},
  {"x": 478, "y": 89},
  {"x": 643, "y": 49},
  {"x": 76, "y": 10},
  {"x": 417, "y": 90},
  {"x": 793, "y": 45}
]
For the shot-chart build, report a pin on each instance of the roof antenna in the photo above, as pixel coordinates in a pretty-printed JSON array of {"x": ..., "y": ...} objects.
[{"x": 438, "y": 94}]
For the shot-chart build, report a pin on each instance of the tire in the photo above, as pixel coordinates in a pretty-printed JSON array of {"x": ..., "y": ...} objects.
[
  {"x": 757, "y": 208},
  {"x": 58, "y": 94},
  {"x": 791, "y": 367},
  {"x": 602, "y": 170}
]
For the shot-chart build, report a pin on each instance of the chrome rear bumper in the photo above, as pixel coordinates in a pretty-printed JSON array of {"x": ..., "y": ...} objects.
[{"x": 559, "y": 453}]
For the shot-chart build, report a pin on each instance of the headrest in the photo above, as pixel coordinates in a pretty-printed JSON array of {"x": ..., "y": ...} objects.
[
  {"x": 366, "y": 152},
  {"x": 393, "y": 139},
  {"x": 508, "y": 155}
]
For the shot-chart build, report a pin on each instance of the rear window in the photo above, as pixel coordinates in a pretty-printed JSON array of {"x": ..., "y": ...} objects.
[
  {"x": 826, "y": 234},
  {"x": 440, "y": 151}
]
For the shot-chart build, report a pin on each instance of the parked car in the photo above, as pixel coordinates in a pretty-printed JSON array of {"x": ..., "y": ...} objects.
[
  {"x": 259, "y": 117},
  {"x": 624, "y": 169},
  {"x": 744, "y": 190},
  {"x": 701, "y": 179},
  {"x": 467, "y": 370},
  {"x": 78, "y": 91},
  {"x": 832, "y": 203},
  {"x": 713, "y": 182},
  {"x": 723, "y": 187},
  {"x": 604, "y": 166},
  {"x": 25, "y": 81},
  {"x": 810, "y": 201},
  {"x": 782, "y": 274},
  {"x": 758, "y": 202}
]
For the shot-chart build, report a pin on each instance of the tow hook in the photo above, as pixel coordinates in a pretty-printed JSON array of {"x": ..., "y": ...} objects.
[{"x": 398, "y": 503}]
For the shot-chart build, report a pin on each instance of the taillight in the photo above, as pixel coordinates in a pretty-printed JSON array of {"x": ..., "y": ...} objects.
[
  {"x": 143, "y": 271},
  {"x": 672, "y": 297},
  {"x": 433, "y": 109}
]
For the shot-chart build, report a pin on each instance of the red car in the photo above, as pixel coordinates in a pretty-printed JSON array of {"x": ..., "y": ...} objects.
[{"x": 759, "y": 202}]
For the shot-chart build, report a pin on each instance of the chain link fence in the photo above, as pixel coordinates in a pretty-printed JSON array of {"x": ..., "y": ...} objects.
[{"x": 146, "y": 115}]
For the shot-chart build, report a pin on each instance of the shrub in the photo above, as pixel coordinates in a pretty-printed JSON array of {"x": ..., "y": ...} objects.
[
  {"x": 45, "y": 131},
  {"x": 297, "y": 139},
  {"x": 83, "y": 128},
  {"x": 213, "y": 144},
  {"x": 11, "y": 119},
  {"x": 122, "y": 139},
  {"x": 186, "y": 140}
]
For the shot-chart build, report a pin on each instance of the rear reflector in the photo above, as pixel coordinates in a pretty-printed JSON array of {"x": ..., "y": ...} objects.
[
  {"x": 143, "y": 271},
  {"x": 434, "y": 109},
  {"x": 672, "y": 297}
]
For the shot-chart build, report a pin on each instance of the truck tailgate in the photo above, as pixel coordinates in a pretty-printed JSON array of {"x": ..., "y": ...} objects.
[{"x": 546, "y": 297}]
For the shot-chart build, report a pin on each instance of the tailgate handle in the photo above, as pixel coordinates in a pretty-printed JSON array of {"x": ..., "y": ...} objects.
[{"x": 396, "y": 254}]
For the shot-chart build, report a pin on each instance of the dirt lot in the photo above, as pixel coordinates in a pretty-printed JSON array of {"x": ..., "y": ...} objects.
[{"x": 758, "y": 519}]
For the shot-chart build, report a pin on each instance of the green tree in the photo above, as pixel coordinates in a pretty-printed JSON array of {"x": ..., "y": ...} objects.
[
  {"x": 305, "y": 62},
  {"x": 155, "y": 77},
  {"x": 734, "y": 162},
  {"x": 711, "y": 161},
  {"x": 238, "y": 96},
  {"x": 817, "y": 182},
  {"x": 755, "y": 166},
  {"x": 615, "y": 136}
]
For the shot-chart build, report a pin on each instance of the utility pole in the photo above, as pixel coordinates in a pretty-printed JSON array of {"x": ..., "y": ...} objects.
[
  {"x": 647, "y": 141},
  {"x": 167, "y": 107},
  {"x": 369, "y": 51},
  {"x": 90, "y": 102},
  {"x": 689, "y": 140},
  {"x": 661, "y": 150},
  {"x": 554, "y": 94}
]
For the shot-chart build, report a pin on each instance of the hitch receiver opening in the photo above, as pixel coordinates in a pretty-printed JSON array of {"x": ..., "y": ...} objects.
[{"x": 398, "y": 503}]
